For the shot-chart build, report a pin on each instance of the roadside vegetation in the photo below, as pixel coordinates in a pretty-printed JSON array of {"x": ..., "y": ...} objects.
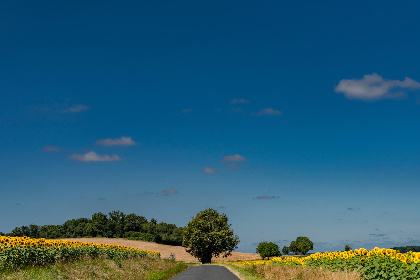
[
  {"x": 142, "y": 268},
  {"x": 260, "y": 272},
  {"x": 29, "y": 258},
  {"x": 381, "y": 264}
]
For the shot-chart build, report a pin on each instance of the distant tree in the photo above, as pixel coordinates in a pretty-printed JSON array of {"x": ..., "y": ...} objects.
[
  {"x": 405, "y": 249},
  {"x": 209, "y": 235},
  {"x": 285, "y": 250},
  {"x": 347, "y": 247},
  {"x": 268, "y": 249},
  {"x": 100, "y": 225},
  {"x": 116, "y": 223},
  {"x": 33, "y": 231},
  {"x": 301, "y": 245},
  {"x": 50, "y": 231},
  {"x": 293, "y": 248},
  {"x": 16, "y": 232},
  {"x": 134, "y": 223},
  {"x": 25, "y": 230}
]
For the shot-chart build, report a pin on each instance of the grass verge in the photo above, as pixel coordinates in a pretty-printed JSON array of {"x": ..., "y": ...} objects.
[
  {"x": 145, "y": 268},
  {"x": 242, "y": 273}
]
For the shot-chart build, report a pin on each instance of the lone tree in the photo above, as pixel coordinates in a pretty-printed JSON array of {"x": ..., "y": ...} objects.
[
  {"x": 302, "y": 245},
  {"x": 347, "y": 247},
  {"x": 285, "y": 250},
  {"x": 268, "y": 249},
  {"x": 209, "y": 235}
]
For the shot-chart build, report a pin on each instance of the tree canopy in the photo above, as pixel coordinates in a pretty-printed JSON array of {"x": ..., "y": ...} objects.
[
  {"x": 209, "y": 235},
  {"x": 268, "y": 249},
  {"x": 301, "y": 245}
]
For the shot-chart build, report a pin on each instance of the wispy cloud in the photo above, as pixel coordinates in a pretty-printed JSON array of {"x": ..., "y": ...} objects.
[
  {"x": 373, "y": 87},
  {"x": 51, "y": 149},
  {"x": 268, "y": 111},
  {"x": 377, "y": 235},
  {"x": 170, "y": 192},
  {"x": 353, "y": 209},
  {"x": 101, "y": 199},
  {"x": 209, "y": 170},
  {"x": 264, "y": 197},
  {"x": 188, "y": 110},
  {"x": 123, "y": 141},
  {"x": 239, "y": 101},
  {"x": 148, "y": 193},
  {"x": 75, "y": 109},
  {"x": 233, "y": 166},
  {"x": 92, "y": 157},
  {"x": 236, "y": 109},
  {"x": 234, "y": 158}
]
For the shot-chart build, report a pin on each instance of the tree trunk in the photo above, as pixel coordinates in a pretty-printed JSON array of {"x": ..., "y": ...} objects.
[{"x": 206, "y": 259}]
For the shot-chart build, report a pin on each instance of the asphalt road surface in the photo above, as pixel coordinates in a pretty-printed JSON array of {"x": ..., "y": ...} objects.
[{"x": 206, "y": 272}]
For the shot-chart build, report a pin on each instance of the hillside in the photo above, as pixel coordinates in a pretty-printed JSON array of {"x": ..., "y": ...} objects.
[{"x": 165, "y": 250}]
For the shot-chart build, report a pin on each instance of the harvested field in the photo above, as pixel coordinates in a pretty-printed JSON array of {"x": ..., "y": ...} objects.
[{"x": 165, "y": 250}]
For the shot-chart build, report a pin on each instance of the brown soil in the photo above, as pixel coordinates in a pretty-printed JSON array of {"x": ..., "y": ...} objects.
[{"x": 165, "y": 250}]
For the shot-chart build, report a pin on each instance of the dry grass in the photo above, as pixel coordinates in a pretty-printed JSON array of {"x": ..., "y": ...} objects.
[
  {"x": 166, "y": 250},
  {"x": 102, "y": 268},
  {"x": 282, "y": 272}
]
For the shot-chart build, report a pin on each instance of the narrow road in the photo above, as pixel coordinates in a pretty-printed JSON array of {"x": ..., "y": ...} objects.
[{"x": 206, "y": 272}]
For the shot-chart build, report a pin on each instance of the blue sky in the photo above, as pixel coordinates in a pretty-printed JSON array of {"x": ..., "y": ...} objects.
[{"x": 295, "y": 118}]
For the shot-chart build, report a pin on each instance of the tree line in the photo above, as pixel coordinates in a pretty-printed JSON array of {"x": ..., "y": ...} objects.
[
  {"x": 301, "y": 245},
  {"x": 116, "y": 225},
  {"x": 406, "y": 249}
]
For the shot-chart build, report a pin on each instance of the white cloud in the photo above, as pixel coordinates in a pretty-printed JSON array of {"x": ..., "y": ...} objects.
[
  {"x": 92, "y": 156},
  {"x": 51, "y": 149},
  {"x": 209, "y": 170},
  {"x": 269, "y": 111},
  {"x": 123, "y": 141},
  {"x": 234, "y": 158},
  {"x": 239, "y": 101},
  {"x": 75, "y": 109},
  {"x": 170, "y": 192},
  {"x": 373, "y": 87}
]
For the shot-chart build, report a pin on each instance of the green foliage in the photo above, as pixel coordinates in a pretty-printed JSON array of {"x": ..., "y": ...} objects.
[
  {"x": 406, "y": 249},
  {"x": 372, "y": 267},
  {"x": 141, "y": 268},
  {"x": 347, "y": 247},
  {"x": 209, "y": 235},
  {"x": 268, "y": 249},
  {"x": 116, "y": 224},
  {"x": 13, "y": 257},
  {"x": 301, "y": 245},
  {"x": 163, "y": 275},
  {"x": 285, "y": 250}
]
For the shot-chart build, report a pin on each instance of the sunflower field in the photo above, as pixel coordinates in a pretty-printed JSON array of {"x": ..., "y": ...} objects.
[
  {"x": 17, "y": 252},
  {"x": 375, "y": 264}
]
